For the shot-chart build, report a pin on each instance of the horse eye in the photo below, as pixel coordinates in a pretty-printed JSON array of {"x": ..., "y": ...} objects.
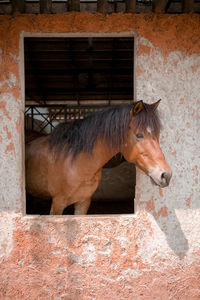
[{"x": 139, "y": 136}]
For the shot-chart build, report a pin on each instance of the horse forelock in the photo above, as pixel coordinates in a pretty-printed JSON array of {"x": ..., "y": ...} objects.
[
  {"x": 110, "y": 124},
  {"x": 148, "y": 120}
]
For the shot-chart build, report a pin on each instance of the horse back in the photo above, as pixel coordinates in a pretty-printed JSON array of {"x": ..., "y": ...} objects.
[
  {"x": 31, "y": 135},
  {"x": 36, "y": 156}
]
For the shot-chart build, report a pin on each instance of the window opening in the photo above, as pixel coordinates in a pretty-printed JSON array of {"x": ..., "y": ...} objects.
[{"x": 71, "y": 78}]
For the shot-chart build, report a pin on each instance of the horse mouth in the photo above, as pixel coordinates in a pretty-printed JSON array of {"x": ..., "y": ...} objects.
[
  {"x": 160, "y": 184},
  {"x": 153, "y": 181}
]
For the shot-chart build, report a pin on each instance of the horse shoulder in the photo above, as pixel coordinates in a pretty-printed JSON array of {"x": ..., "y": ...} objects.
[
  {"x": 73, "y": 179},
  {"x": 37, "y": 167}
]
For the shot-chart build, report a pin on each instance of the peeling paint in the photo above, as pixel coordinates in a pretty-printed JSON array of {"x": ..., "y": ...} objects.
[
  {"x": 143, "y": 49},
  {"x": 10, "y": 148},
  {"x": 7, "y": 132},
  {"x": 142, "y": 256},
  {"x": 7, "y": 226},
  {"x": 4, "y": 110},
  {"x": 163, "y": 212}
]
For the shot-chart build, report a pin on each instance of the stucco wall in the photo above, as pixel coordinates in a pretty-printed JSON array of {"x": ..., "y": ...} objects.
[{"x": 154, "y": 254}]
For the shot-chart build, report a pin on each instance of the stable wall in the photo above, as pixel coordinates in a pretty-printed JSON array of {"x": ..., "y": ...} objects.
[{"x": 154, "y": 254}]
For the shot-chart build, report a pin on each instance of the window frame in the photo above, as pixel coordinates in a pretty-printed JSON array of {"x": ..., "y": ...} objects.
[{"x": 23, "y": 34}]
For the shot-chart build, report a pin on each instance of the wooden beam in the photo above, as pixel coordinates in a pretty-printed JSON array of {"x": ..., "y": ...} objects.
[
  {"x": 73, "y": 5},
  {"x": 45, "y": 6},
  {"x": 102, "y": 6},
  {"x": 158, "y": 6},
  {"x": 18, "y": 6},
  {"x": 187, "y": 6},
  {"x": 130, "y": 6},
  {"x": 73, "y": 102}
]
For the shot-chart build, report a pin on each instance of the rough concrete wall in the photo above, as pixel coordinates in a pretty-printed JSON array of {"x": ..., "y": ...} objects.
[
  {"x": 154, "y": 254},
  {"x": 173, "y": 78}
]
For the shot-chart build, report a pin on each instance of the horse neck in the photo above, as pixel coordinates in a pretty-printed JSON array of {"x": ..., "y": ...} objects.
[{"x": 102, "y": 153}]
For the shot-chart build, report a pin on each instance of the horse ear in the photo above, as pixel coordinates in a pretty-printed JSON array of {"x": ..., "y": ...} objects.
[
  {"x": 155, "y": 105},
  {"x": 138, "y": 107}
]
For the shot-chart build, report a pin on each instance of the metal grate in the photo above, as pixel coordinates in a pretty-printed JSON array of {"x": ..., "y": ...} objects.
[
  {"x": 74, "y": 112},
  {"x": 45, "y": 119}
]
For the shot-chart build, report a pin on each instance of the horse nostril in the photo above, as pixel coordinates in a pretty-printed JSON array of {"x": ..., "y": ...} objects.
[
  {"x": 166, "y": 177},
  {"x": 163, "y": 175}
]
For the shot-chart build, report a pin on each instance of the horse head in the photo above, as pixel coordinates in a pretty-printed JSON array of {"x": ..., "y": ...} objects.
[{"x": 142, "y": 145}]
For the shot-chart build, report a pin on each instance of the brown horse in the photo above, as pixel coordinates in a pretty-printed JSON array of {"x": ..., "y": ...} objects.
[{"x": 66, "y": 165}]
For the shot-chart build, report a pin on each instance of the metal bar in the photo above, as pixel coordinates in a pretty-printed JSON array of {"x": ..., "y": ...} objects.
[
  {"x": 48, "y": 123},
  {"x": 18, "y": 6},
  {"x": 45, "y": 6},
  {"x": 50, "y": 117},
  {"x": 26, "y": 111},
  {"x": 79, "y": 113},
  {"x": 32, "y": 120},
  {"x": 53, "y": 117},
  {"x": 65, "y": 115},
  {"x": 69, "y": 108},
  {"x": 101, "y": 6},
  {"x": 130, "y": 6},
  {"x": 169, "y": 2}
]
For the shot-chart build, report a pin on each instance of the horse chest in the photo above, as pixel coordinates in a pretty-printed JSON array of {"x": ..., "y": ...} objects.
[{"x": 84, "y": 188}]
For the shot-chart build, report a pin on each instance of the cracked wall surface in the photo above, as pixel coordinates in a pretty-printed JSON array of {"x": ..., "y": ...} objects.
[{"x": 154, "y": 254}]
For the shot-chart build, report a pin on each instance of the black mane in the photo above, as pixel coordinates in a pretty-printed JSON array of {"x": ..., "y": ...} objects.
[{"x": 110, "y": 124}]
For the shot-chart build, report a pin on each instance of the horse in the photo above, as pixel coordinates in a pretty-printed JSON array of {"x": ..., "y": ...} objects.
[
  {"x": 115, "y": 161},
  {"x": 66, "y": 164}
]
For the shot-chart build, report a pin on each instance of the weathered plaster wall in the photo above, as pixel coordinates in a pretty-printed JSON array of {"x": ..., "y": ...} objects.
[{"x": 154, "y": 254}]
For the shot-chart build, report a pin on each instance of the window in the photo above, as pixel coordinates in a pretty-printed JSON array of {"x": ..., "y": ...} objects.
[{"x": 68, "y": 78}]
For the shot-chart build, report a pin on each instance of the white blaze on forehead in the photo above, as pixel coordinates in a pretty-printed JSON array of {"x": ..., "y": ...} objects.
[{"x": 149, "y": 130}]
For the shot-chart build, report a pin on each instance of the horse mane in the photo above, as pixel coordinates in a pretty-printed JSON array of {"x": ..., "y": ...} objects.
[{"x": 110, "y": 124}]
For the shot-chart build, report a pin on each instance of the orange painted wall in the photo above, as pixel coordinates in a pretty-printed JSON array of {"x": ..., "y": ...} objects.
[{"x": 154, "y": 254}]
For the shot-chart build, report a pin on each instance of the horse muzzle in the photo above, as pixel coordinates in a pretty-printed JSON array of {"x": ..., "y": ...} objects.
[{"x": 160, "y": 178}]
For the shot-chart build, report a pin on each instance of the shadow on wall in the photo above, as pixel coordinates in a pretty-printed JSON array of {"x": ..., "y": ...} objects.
[
  {"x": 164, "y": 206},
  {"x": 175, "y": 236}
]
